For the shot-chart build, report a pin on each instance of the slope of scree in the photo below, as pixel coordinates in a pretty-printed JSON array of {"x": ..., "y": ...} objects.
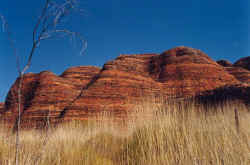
[{"x": 82, "y": 92}]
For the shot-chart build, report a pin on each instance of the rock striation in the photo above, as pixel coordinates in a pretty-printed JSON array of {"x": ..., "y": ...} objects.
[
  {"x": 45, "y": 95},
  {"x": 243, "y": 62},
  {"x": 238, "y": 70},
  {"x": 1, "y": 107},
  {"x": 241, "y": 74},
  {"x": 188, "y": 72},
  {"x": 225, "y": 63},
  {"x": 82, "y": 92}
]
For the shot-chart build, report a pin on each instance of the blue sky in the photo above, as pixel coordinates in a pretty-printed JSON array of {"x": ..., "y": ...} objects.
[{"x": 112, "y": 27}]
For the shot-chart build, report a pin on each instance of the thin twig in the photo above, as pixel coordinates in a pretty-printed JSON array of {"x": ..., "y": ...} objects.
[{"x": 52, "y": 15}]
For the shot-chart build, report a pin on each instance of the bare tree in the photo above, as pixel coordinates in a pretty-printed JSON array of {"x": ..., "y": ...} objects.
[{"x": 50, "y": 24}]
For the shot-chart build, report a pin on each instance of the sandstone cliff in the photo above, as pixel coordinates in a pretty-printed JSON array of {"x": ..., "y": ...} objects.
[
  {"x": 239, "y": 70},
  {"x": 1, "y": 107},
  {"x": 225, "y": 63},
  {"x": 83, "y": 91},
  {"x": 243, "y": 62}
]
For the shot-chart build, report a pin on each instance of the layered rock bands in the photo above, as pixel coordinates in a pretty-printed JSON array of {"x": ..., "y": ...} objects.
[{"x": 84, "y": 91}]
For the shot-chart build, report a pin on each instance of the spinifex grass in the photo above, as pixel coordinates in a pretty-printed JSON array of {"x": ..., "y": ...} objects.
[{"x": 156, "y": 133}]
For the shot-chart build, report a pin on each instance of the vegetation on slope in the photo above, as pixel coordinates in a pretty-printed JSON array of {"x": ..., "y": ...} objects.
[{"x": 155, "y": 133}]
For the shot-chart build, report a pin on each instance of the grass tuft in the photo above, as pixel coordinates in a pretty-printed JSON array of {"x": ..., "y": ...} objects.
[{"x": 156, "y": 132}]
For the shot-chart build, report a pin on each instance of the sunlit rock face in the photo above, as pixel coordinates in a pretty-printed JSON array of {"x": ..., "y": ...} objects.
[
  {"x": 46, "y": 94},
  {"x": 82, "y": 92},
  {"x": 187, "y": 72}
]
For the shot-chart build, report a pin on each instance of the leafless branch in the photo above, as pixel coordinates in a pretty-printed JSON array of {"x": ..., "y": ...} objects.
[
  {"x": 12, "y": 43},
  {"x": 52, "y": 15},
  {"x": 40, "y": 19},
  {"x": 6, "y": 29}
]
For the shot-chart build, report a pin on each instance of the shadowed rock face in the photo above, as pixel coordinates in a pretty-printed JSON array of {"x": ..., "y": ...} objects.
[
  {"x": 225, "y": 63},
  {"x": 81, "y": 92},
  {"x": 240, "y": 93},
  {"x": 241, "y": 74},
  {"x": 243, "y": 62},
  {"x": 1, "y": 107},
  {"x": 238, "y": 70}
]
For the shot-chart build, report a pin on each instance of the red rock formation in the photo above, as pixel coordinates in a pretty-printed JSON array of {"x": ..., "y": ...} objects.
[
  {"x": 83, "y": 91},
  {"x": 243, "y": 62},
  {"x": 1, "y": 107},
  {"x": 237, "y": 70},
  {"x": 225, "y": 63},
  {"x": 46, "y": 94},
  {"x": 121, "y": 80},
  {"x": 187, "y": 72},
  {"x": 241, "y": 74},
  {"x": 80, "y": 76},
  {"x": 180, "y": 72},
  {"x": 239, "y": 93}
]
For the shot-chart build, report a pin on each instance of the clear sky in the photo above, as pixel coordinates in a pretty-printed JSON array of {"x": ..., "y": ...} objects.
[{"x": 112, "y": 27}]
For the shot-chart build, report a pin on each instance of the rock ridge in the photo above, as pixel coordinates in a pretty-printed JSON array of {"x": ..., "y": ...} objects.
[{"x": 83, "y": 91}]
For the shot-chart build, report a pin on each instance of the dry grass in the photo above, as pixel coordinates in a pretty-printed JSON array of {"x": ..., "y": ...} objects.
[{"x": 156, "y": 133}]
